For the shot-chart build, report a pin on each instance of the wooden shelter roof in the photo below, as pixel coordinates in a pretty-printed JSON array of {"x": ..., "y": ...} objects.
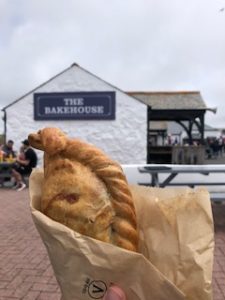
[{"x": 179, "y": 100}]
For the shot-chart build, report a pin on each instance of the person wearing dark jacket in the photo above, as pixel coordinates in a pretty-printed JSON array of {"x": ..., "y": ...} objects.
[{"x": 23, "y": 167}]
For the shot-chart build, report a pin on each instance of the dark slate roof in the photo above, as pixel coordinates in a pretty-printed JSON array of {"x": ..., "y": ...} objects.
[{"x": 184, "y": 100}]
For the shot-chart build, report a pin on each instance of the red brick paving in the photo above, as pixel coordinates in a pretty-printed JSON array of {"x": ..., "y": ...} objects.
[{"x": 25, "y": 270}]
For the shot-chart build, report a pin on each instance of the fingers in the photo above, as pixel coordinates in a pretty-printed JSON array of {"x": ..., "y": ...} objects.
[{"x": 115, "y": 293}]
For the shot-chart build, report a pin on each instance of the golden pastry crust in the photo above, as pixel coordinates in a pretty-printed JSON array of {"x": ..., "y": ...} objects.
[{"x": 85, "y": 190}]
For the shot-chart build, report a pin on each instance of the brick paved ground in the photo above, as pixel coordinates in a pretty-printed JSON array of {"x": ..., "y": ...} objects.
[{"x": 25, "y": 270}]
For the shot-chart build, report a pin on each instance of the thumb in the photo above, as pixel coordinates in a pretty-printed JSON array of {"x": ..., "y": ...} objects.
[{"x": 115, "y": 293}]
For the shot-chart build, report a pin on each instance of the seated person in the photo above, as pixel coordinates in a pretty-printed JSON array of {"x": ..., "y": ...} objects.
[
  {"x": 23, "y": 167},
  {"x": 8, "y": 150},
  {"x": 1, "y": 155},
  {"x": 21, "y": 154}
]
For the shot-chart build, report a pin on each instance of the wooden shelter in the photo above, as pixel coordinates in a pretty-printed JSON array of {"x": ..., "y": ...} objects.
[{"x": 187, "y": 108}]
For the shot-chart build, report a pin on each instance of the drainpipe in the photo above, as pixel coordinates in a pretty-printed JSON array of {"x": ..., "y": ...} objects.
[
  {"x": 148, "y": 132},
  {"x": 4, "y": 120}
]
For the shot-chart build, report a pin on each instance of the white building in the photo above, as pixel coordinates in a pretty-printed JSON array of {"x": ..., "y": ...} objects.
[{"x": 85, "y": 107}]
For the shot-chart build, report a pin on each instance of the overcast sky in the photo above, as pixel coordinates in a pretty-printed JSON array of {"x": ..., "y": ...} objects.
[{"x": 144, "y": 45}]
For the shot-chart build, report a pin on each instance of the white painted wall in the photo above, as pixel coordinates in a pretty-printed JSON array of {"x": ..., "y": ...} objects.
[{"x": 123, "y": 139}]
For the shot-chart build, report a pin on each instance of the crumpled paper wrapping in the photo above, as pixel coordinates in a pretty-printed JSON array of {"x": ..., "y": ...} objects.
[
  {"x": 177, "y": 224},
  {"x": 176, "y": 249}
]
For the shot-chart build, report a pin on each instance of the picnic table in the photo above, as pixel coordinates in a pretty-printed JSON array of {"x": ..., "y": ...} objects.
[{"x": 173, "y": 171}]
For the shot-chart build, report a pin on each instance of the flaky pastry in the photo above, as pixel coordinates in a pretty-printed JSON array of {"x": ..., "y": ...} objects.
[{"x": 85, "y": 190}]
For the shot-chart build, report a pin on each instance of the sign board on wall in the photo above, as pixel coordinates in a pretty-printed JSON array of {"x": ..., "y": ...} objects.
[{"x": 74, "y": 106}]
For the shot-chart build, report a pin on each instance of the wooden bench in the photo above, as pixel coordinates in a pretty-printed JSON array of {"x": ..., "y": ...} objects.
[
  {"x": 5, "y": 172},
  {"x": 217, "y": 196},
  {"x": 173, "y": 171}
]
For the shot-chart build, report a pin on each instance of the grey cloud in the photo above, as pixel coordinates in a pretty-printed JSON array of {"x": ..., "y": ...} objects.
[{"x": 133, "y": 44}]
